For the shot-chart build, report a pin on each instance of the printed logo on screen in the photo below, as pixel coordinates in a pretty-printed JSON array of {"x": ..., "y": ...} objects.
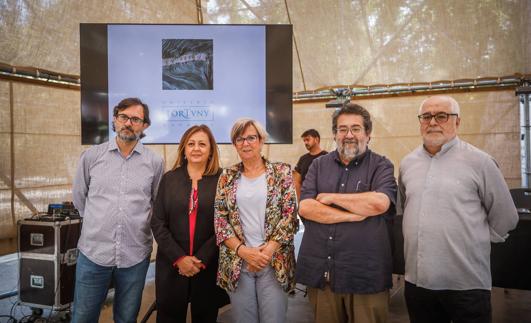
[
  {"x": 187, "y": 64},
  {"x": 190, "y": 113}
]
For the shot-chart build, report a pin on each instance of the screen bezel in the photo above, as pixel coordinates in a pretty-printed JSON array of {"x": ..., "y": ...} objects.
[{"x": 94, "y": 83}]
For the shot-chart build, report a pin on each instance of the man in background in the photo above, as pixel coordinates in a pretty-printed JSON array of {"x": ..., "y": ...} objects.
[
  {"x": 312, "y": 140},
  {"x": 455, "y": 202},
  {"x": 114, "y": 189}
]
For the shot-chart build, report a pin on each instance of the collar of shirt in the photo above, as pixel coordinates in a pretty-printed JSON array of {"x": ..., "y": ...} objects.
[
  {"x": 139, "y": 148},
  {"x": 357, "y": 159},
  {"x": 445, "y": 148}
]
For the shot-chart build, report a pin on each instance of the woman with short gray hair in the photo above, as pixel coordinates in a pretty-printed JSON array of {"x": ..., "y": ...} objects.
[{"x": 255, "y": 222}]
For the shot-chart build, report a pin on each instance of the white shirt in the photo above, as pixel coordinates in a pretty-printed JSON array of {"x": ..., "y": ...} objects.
[
  {"x": 454, "y": 204},
  {"x": 251, "y": 196}
]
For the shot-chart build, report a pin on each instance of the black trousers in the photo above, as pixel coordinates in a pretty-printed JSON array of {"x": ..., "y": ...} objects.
[
  {"x": 444, "y": 306},
  {"x": 175, "y": 311},
  {"x": 201, "y": 313}
]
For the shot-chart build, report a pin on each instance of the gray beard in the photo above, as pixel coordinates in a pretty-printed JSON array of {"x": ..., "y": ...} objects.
[
  {"x": 128, "y": 138},
  {"x": 349, "y": 151}
]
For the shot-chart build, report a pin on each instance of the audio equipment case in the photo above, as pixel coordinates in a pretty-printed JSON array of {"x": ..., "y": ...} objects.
[{"x": 47, "y": 260}]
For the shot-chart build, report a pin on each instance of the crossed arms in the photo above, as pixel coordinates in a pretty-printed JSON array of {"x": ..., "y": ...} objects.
[{"x": 330, "y": 208}]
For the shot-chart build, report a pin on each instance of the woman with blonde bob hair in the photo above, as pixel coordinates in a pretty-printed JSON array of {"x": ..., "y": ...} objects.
[
  {"x": 183, "y": 226},
  {"x": 255, "y": 222}
]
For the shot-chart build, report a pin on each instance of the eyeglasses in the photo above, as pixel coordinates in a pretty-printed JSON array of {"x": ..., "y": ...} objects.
[
  {"x": 345, "y": 130},
  {"x": 440, "y": 117},
  {"x": 124, "y": 117},
  {"x": 250, "y": 139}
]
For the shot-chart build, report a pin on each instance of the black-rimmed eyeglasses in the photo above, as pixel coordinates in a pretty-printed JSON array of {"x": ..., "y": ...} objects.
[
  {"x": 440, "y": 117},
  {"x": 124, "y": 117}
]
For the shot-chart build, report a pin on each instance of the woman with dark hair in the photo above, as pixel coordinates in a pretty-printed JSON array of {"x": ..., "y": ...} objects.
[{"x": 183, "y": 226}]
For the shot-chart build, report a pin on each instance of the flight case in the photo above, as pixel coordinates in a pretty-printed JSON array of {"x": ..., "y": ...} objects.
[{"x": 48, "y": 256}]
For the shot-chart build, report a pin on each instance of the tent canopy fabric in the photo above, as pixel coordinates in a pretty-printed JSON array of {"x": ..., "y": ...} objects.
[{"x": 335, "y": 42}]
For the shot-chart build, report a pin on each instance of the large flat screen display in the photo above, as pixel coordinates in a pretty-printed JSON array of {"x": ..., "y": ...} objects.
[{"x": 187, "y": 74}]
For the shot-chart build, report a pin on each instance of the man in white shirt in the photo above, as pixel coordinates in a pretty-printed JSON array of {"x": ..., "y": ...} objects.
[{"x": 455, "y": 202}]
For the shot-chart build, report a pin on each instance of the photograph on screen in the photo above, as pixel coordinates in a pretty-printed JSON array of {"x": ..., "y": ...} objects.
[
  {"x": 187, "y": 64},
  {"x": 172, "y": 69}
]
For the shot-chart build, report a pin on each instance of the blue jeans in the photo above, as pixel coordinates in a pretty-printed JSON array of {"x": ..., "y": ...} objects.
[
  {"x": 92, "y": 284},
  {"x": 259, "y": 298}
]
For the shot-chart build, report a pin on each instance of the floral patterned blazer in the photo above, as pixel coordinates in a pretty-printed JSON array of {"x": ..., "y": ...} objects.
[{"x": 281, "y": 223}]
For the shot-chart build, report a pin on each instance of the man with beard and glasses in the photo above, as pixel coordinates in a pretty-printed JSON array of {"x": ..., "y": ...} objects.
[
  {"x": 114, "y": 189},
  {"x": 312, "y": 140},
  {"x": 347, "y": 199},
  {"x": 455, "y": 203}
]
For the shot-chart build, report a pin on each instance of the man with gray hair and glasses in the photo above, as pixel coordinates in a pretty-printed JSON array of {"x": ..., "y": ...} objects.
[
  {"x": 455, "y": 202},
  {"x": 347, "y": 199},
  {"x": 114, "y": 189}
]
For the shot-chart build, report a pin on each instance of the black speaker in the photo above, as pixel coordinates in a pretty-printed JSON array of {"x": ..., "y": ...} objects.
[{"x": 48, "y": 256}]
